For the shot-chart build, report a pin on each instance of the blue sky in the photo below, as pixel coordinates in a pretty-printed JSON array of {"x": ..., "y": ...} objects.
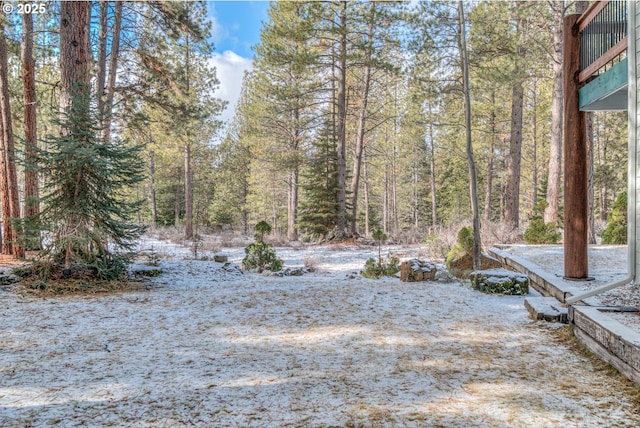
[
  {"x": 236, "y": 28},
  {"x": 236, "y": 24}
]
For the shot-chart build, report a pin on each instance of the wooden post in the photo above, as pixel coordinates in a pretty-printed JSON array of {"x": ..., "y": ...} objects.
[{"x": 576, "y": 265}]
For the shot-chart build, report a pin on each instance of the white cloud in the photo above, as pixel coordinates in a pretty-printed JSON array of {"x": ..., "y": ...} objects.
[
  {"x": 218, "y": 32},
  {"x": 230, "y": 68}
]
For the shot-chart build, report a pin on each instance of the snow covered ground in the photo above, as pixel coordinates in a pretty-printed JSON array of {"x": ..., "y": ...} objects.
[
  {"x": 209, "y": 346},
  {"x": 607, "y": 263}
]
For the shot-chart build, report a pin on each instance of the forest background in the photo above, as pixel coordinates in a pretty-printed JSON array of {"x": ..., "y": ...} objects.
[{"x": 351, "y": 119}]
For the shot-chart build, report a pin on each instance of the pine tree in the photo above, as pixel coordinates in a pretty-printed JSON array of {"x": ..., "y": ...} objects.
[
  {"x": 286, "y": 62},
  {"x": 172, "y": 83},
  {"x": 8, "y": 175},
  {"x": 31, "y": 191},
  {"x": 318, "y": 208},
  {"x": 86, "y": 214}
]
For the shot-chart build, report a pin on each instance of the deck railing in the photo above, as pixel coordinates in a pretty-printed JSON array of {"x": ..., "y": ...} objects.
[{"x": 603, "y": 37}]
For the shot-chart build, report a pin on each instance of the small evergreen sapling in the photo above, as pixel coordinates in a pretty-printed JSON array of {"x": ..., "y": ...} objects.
[
  {"x": 379, "y": 236},
  {"x": 262, "y": 228},
  {"x": 375, "y": 270},
  {"x": 259, "y": 255}
]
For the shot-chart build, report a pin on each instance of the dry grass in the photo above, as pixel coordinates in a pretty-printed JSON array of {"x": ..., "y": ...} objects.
[
  {"x": 312, "y": 262},
  {"x": 77, "y": 287},
  {"x": 47, "y": 279},
  {"x": 566, "y": 337}
]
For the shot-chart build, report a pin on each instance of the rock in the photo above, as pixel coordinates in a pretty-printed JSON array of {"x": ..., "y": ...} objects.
[
  {"x": 463, "y": 266},
  {"x": 499, "y": 281},
  {"x": 146, "y": 271},
  {"x": 415, "y": 270},
  {"x": 7, "y": 279},
  {"x": 232, "y": 268},
  {"x": 292, "y": 272},
  {"x": 220, "y": 258}
]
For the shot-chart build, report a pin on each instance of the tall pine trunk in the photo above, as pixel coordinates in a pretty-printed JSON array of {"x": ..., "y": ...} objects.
[
  {"x": 534, "y": 144},
  {"x": 489, "y": 184},
  {"x": 512, "y": 211},
  {"x": 31, "y": 192},
  {"x": 341, "y": 163},
  {"x": 101, "y": 63},
  {"x": 292, "y": 204},
  {"x": 9, "y": 182},
  {"x": 75, "y": 62},
  {"x": 75, "y": 53},
  {"x": 555, "y": 149},
  {"x": 432, "y": 175},
  {"x": 293, "y": 178},
  {"x": 473, "y": 177},
  {"x": 113, "y": 68},
  {"x": 188, "y": 191},
  {"x": 188, "y": 173},
  {"x": 362, "y": 118},
  {"x": 152, "y": 188},
  {"x": 367, "y": 207}
]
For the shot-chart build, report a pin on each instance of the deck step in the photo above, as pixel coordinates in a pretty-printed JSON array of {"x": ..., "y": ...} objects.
[{"x": 546, "y": 308}]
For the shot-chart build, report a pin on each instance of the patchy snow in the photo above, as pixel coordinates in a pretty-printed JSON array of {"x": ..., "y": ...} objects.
[
  {"x": 501, "y": 274},
  {"x": 607, "y": 263},
  {"x": 211, "y": 346}
]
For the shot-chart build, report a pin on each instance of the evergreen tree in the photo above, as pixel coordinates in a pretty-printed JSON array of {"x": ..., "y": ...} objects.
[
  {"x": 86, "y": 214},
  {"x": 616, "y": 231},
  {"x": 286, "y": 61},
  {"x": 318, "y": 209},
  {"x": 172, "y": 85},
  {"x": 8, "y": 175}
]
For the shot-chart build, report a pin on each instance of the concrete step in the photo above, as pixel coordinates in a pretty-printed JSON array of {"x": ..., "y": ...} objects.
[{"x": 546, "y": 308}]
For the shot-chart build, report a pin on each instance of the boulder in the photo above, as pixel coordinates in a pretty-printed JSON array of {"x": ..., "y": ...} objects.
[
  {"x": 220, "y": 258},
  {"x": 499, "y": 281},
  {"x": 7, "y": 279},
  {"x": 293, "y": 272},
  {"x": 415, "y": 270},
  {"x": 146, "y": 271}
]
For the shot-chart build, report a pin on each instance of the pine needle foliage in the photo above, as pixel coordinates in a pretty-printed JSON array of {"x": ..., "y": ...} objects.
[
  {"x": 318, "y": 208},
  {"x": 539, "y": 232},
  {"x": 616, "y": 230},
  {"x": 260, "y": 255},
  {"x": 86, "y": 214}
]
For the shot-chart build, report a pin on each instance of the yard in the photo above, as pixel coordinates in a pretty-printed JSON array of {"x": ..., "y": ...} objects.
[{"x": 211, "y": 346}]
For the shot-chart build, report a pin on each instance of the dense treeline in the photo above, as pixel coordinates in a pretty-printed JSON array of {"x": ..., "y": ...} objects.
[
  {"x": 107, "y": 107},
  {"x": 351, "y": 120}
]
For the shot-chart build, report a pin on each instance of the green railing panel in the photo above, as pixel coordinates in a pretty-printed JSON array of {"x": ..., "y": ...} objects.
[{"x": 607, "y": 91}]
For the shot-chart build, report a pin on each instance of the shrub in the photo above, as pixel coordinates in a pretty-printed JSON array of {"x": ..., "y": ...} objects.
[
  {"x": 259, "y": 255},
  {"x": 465, "y": 239},
  {"x": 464, "y": 245},
  {"x": 540, "y": 232},
  {"x": 377, "y": 269},
  {"x": 616, "y": 230},
  {"x": 262, "y": 257}
]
